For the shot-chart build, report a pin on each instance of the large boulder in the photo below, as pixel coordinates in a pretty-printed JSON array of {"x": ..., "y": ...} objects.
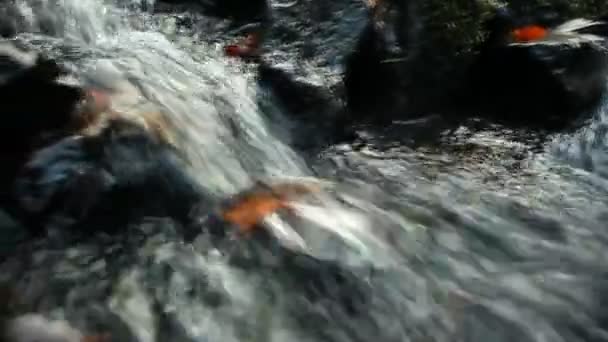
[
  {"x": 421, "y": 55},
  {"x": 540, "y": 68},
  {"x": 453, "y": 29}
]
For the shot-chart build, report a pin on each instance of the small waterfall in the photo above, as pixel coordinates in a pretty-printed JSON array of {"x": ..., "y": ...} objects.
[{"x": 479, "y": 240}]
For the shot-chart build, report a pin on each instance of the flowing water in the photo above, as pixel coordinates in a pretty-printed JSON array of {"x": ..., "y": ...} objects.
[{"x": 486, "y": 237}]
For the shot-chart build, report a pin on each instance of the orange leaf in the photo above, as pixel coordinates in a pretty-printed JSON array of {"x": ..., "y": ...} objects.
[
  {"x": 529, "y": 33},
  {"x": 249, "y": 212},
  {"x": 232, "y": 50},
  {"x": 253, "y": 207}
]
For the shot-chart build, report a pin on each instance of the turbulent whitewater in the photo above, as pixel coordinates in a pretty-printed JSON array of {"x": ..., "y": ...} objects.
[{"x": 491, "y": 235}]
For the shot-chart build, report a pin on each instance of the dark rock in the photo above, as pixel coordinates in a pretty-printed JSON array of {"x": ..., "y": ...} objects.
[
  {"x": 11, "y": 233},
  {"x": 237, "y": 10},
  {"x": 23, "y": 121},
  {"x": 548, "y": 82},
  {"x": 376, "y": 74},
  {"x": 372, "y": 81},
  {"x": 433, "y": 42}
]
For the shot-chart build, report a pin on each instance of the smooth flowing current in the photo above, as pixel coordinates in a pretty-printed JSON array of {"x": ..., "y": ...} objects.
[{"x": 486, "y": 237}]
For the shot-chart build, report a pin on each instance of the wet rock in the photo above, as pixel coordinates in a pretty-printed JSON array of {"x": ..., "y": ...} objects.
[
  {"x": 548, "y": 82},
  {"x": 372, "y": 80},
  {"x": 237, "y": 10},
  {"x": 430, "y": 44},
  {"x": 23, "y": 126},
  {"x": 11, "y": 233},
  {"x": 314, "y": 106}
]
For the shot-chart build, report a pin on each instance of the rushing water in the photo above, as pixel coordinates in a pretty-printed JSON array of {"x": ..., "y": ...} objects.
[{"x": 485, "y": 237}]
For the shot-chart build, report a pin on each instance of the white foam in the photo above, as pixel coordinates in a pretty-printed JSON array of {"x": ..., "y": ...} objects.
[{"x": 36, "y": 328}]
